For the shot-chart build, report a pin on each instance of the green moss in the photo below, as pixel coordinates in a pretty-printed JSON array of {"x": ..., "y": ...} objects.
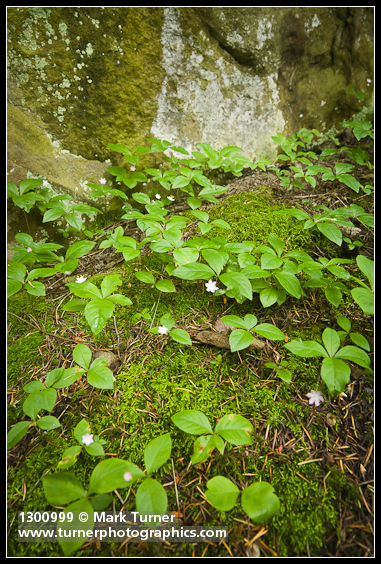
[
  {"x": 23, "y": 339},
  {"x": 65, "y": 56},
  {"x": 254, "y": 216},
  {"x": 310, "y": 507}
]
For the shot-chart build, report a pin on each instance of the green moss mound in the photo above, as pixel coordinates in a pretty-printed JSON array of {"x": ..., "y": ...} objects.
[{"x": 254, "y": 216}]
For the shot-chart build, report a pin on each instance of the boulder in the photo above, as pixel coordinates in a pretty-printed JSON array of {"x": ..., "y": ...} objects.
[{"x": 80, "y": 78}]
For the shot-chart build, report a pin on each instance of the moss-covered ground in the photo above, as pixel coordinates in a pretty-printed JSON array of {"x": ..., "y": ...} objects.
[{"x": 311, "y": 456}]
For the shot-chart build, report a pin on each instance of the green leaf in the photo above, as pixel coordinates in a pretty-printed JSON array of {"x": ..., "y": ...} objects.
[
  {"x": 77, "y": 526},
  {"x": 248, "y": 322},
  {"x": 100, "y": 502},
  {"x": 365, "y": 299},
  {"x": 260, "y": 502},
  {"x": 109, "y": 284},
  {"x": 331, "y": 341},
  {"x": 194, "y": 203},
  {"x": 17, "y": 432},
  {"x": 75, "y": 305},
  {"x": 157, "y": 452},
  {"x": 215, "y": 259},
  {"x": 95, "y": 449},
  {"x": 350, "y": 181},
  {"x": 269, "y": 261},
  {"x": 84, "y": 289},
  {"x": 276, "y": 243},
  {"x": 221, "y": 223},
  {"x": 194, "y": 271},
  {"x": 306, "y": 349},
  {"x": 360, "y": 340},
  {"x": 40, "y": 273},
  {"x": 82, "y": 355},
  {"x": 269, "y": 331},
  {"x": 35, "y": 289},
  {"x": 290, "y": 283},
  {"x": 331, "y": 231},
  {"x": 53, "y": 213},
  {"x": 29, "y": 184},
  {"x": 240, "y": 339},
  {"x": 79, "y": 249},
  {"x": 333, "y": 295},
  {"x": 185, "y": 255},
  {"x": 367, "y": 268},
  {"x": 69, "y": 457},
  {"x": 354, "y": 354},
  {"x": 63, "y": 377},
  {"x": 97, "y": 313},
  {"x": 109, "y": 475},
  {"x": 120, "y": 299},
  {"x": 180, "y": 336},
  {"x": 336, "y": 374},
  {"x": 268, "y": 296},
  {"x": 192, "y": 421},
  {"x": 38, "y": 400},
  {"x": 221, "y": 493},
  {"x": 141, "y": 198},
  {"x": 235, "y": 429},
  {"x": 33, "y": 386},
  {"x": 180, "y": 182},
  {"x": 284, "y": 374},
  {"x": 16, "y": 271},
  {"x": 82, "y": 428},
  {"x": 62, "y": 488},
  {"x": 145, "y": 276},
  {"x": 165, "y": 286},
  {"x": 239, "y": 282},
  {"x": 129, "y": 253},
  {"x": 99, "y": 376},
  {"x": 344, "y": 323},
  {"x": 202, "y": 447},
  {"x": 13, "y": 286},
  {"x": 151, "y": 498},
  {"x": 48, "y": 422}
]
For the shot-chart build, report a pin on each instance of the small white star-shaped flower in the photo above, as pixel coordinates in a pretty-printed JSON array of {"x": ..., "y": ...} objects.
[
  {"x": 211, "y": 286},
  {"x": 315, "y": 397},
  {"x": 157, "y": 196},
  {"x": 80, "y": 279},
  {"x": 87, "y": 439},
  {"x": 162, "y": 330},
  {"x": 102, "y": 181},
  {"x": 171, "y": 198},
  {"x": 127, "y": 476}
]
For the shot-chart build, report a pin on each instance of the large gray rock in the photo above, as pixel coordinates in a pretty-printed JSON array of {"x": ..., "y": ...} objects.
[{"x": 80, "y": 78}]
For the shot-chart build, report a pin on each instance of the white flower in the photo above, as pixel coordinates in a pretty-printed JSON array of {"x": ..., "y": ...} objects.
[
  {"x": 211, "y": 286},
  {"x": 80, "y": 279},
  {"x": 315, "y": 397},
  {"x": 171, "y": 198},
  {"x": 132, "y": 168},
  {"x": 127, "y": 476},
  {"x": 46, "y": 184},
  {"x": 157, "y": 196},
  {"x": 162, "y": 330},
  {"x": 87, "y": 439},
  {"x": 29, "y": 250},
  {"x": 102, "y": 181}
]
